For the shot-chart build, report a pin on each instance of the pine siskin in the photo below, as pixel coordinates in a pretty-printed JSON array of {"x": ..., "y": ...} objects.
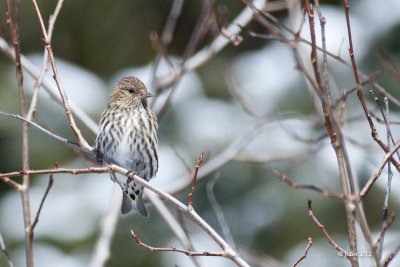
[{"x": 128, "y": 138}]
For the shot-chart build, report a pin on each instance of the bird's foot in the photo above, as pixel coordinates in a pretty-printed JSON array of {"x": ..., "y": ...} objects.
[{"x": 130, "y": 175}]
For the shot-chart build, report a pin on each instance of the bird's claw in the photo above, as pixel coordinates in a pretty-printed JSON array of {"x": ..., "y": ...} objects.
[{"x": 130, "y": 174}]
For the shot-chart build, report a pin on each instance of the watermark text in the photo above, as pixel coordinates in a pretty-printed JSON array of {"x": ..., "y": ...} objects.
[{"x": 361, "y": 253}]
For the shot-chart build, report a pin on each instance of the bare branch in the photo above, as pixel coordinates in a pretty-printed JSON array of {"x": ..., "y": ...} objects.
[
  {"x": 210, "y": 51},
  {"x": 24, "y": 189},
  {"x": 325, "y": 80},
  {"x": 36, "y": 220},
  {"x": 229, "y": 253},
  {"x": 172, "y": 249},
  {"x": 378, "y": 172},
  {"x": 52, "y": 90},
  {"x": 49, "y": 133},
  {"x": 389, "y": 140},
  {"x": 309, "y": 240},
  {"x": 229, "y": 153},
  {"x": 324, "y": 231},
  {"x": 174, "y": 225},
  {"x": 17, "y": 187},
  {"x": 235, "y": 92},
  {"x": 386, "y": 120},
  {"x": 386, "y": 224},
  {"x": 5, "y": 252},
  {"x": 391, "y": 257},
  {"x": 196, "y": 170},
  {"x": 57, "y": 171},
  {"x": 369, "y": 79},
  {"x": 219, "y": 212},
  {"x": 82, "y": 142},
  {"x": 200, "y": 29},
  {"x": 311, "y": 187},
  {"x": 170, "y": 25},
  {"x": 45, "y": 65},
  {"x": 102, "y": 250}
]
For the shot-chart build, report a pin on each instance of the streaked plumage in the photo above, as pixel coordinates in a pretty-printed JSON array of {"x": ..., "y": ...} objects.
[{"x": 128, "y": 138}]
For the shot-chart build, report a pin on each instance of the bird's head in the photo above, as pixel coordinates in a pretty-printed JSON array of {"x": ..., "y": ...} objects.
[{"x": 130, "y": 92}]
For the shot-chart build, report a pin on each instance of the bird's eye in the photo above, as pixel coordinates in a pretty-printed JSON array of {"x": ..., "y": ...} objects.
[{"x": 131, "y": 90}]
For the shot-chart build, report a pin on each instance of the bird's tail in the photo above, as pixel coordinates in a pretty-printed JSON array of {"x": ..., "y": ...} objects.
[
  {"x": 134, "y": 202},
  {"x": 137, "y": 205}
]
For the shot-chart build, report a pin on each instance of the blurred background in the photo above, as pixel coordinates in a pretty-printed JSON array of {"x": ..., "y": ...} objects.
[{"x": 98, "y": 42}]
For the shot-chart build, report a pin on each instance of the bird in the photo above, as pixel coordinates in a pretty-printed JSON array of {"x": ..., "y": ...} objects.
[{"x": 128, "y": 138}]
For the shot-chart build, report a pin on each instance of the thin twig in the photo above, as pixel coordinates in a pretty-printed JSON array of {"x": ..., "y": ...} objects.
[
  {"x": 162, "y": 53},
  {"x": 45, "y": 65},
  {"x": 342, "y": 112},
  {"x": 382, "y": 121},
  {"x": 391, "y": 257},
  {"x": 56, "y": 171},
  {"x": 229, "y": 153},
  {"x": 49, "y": 186},
  {"x": 325, "y": 80},
  {"x": 15, "y": 36},
  {"x": 5, "y": 252},
  {"x": 82, "y": 142},
  {"x": 102, "y": 249},
  {"x": 293, "y": 184},
  {"x": 200, "y": 29},
  {"x": 257, "y": 157},
  {"x": 173, "y": 249},
  {"x": 211, "y": 50},
  {"x": 49, "y": 133},
  {"x": 175, "y": 226},
  {"x": 378, "y": 172},
  {"x": 385, "y": 219},
  {"x": 49, "y": 87},
  {"x": 385, "y": 225},
  {"x": 219, "y": 212},
  {"x": 170, "y": 25},
  {"x": 17, "y": 187},
  {"x": 235, "y": 92},
  {"x": 324, "y": 231},
  {"x": 369, "y": 79},
  {"x": 304, "y": 255},
  {"x": 354, "y": 63},
  {"x": 364, "y": 226},
  {"x": 181, "y": 159},
  {"x": 314, "y": 54},
  {"x": 196, "y": 170},
  {"x": 386, "y": 120}
]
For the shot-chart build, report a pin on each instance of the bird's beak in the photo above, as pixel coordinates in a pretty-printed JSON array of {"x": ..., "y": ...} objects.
[{"x": 146, "y": 96}]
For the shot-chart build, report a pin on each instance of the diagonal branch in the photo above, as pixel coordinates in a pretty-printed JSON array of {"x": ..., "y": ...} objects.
[
  {"x": 211, "y": 50},
  {"x": 49, "y": 186},
  {"x": 293, "y": 184},
  {"x": 173, "y": 249},
  {"x": 324, "y": 231},
  {"x": 378, "y": 172},
  {"x": 229, "y": 253},
  {"x": 5, "y": 252},
  {"x": 82, "y": 142},
  {"x": 309, "y": 240},
  {"x": 194, "y": 179},
  {"x": 12, "y": 183}
]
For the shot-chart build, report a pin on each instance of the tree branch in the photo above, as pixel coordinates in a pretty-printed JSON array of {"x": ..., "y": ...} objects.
[
  {"x": 173, "y": 249},
  {"x": 309, "y": 240},
  {"x": 324, "y": 231}
]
